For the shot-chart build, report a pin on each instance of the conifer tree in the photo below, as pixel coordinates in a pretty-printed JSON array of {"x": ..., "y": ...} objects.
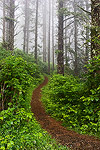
[
  {"x": 95, "y": 31},
  {"x": 8, "y": 24},
  {"x": 60, "y": 57}
]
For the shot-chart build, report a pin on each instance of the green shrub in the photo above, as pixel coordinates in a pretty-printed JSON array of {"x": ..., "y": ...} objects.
[
  {"x": 42, "y": 66},
  {"x": 15, "y": 76},
  {"x": 68, "y": 99},
  {"x": 4, "y": 53},
  {"x": 25, "y": 56},
  {"x": 18, "y": 128}
]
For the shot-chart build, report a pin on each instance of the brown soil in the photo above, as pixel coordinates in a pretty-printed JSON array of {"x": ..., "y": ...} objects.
[{"x": 62, "y": 135}]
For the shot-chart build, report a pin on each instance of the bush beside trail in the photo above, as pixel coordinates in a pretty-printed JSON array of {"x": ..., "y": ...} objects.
[
  {"x": 18, "y": 128},
  {"x": 74, "y": 102}
]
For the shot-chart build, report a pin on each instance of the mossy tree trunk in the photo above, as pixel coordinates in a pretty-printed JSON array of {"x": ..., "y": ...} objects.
[{"x": 95, "y": 31}]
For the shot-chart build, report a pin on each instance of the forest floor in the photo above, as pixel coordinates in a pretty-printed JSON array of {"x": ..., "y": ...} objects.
[{"x": 66, "y": 137}]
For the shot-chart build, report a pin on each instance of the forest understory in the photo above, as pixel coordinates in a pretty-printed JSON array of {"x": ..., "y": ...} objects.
[
  {"x": 60, "y": 40},
  {"x": 64, "y": 136}
]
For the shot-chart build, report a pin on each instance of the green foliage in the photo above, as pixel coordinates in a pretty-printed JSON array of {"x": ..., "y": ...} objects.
[
  {"x": 19, "y": 130},
  {"x": 42, "y": 66},
  {"x": 4, "y": 53},
  {"x": 25, "y": 56},
  {"x": 15, "y": 76},
  {"x": 93, "y": 76},
  {"x": 68, "y": 99}
]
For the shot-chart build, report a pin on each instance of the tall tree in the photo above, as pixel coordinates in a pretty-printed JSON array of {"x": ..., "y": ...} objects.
[
  {"x": 44, "y": 30},
  {"x": 49, "y": 37},
  {"x": 53, "y": 34},
  {"x": 60, "y": 57},
  {"x": 36, "y": 30},
  {"x": 26, "y": 27},
  {"x": 75, "y": 40},
  {"x": 7, "y": 16},
  {"x": 28, "y": 33},
  {"x": 95, "y": 31},
  {"x": 87, "y": 47},
  {"x": 87, "y": 36},
  {"x": 66, "y": 45},
  {"x": 8, "y": 23},
  {"x": 11, "y": 24},
  {"x": 4, "y": 32}
]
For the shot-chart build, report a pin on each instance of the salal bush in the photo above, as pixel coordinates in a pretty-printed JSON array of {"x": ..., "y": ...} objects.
[
  {"x": 18, "y": 127},
  {"x": 69, "y": 99},
  {"x": 4, "y": 53},
  {"x": 42, "y": 66},
  {"x": 19, "y": 130},
  {"x": 16, "y": 75}
]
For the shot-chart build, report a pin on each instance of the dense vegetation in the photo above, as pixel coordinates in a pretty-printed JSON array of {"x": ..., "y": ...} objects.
[
  {"x": 65, "y": 37},
  {"x": 76, "y": 102},
  {"x": 19, "y": 75}
]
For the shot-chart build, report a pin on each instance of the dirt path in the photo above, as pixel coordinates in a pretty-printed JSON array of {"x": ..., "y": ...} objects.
[{"x": 57, "y": 131}]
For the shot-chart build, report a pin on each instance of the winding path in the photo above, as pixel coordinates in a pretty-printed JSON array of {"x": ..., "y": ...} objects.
[{"x": 62, "y": 135}]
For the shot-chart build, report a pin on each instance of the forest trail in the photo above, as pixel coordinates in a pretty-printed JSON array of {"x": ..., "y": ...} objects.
[{"x": 66, "y": 137}]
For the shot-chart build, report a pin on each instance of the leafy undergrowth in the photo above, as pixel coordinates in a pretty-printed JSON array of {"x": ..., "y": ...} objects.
[
  {"x": 76, "y": 103},
  {"x": 18, "y": 128}
]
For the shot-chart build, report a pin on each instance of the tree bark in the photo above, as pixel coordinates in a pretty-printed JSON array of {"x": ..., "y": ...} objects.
[
  {"x": 53, "y": 34},
  {"x": 11, "y": 25},
  {"x": 8, "y": 23},
  {"x": 49, "y": 37},
  {"x": 75, "y": 40},
  {"x": 66, "y": 44},
  {"x": 26, "y": 28},
  {"x": 44, "y": 32},
  {"x": 95, "y": 31},
  {"x": 7, "y": 15},
  {"x": 24, "y": 44},
  {"x": 4, "y": 22},
  {"x": 36, "y": 31},
  {"x": 60, "y": 58},
  {"x": 87, "y": 37}
]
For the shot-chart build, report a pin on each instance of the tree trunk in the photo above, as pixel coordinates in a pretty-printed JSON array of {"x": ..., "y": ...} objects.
[
  {"x": 24, "y": 44},
  {"x": 44, "y": 31},
  {"x": 75, "y": 40},
  {"x": 27, "y": 41},
  {"x": 24, "y": 39},
  {"x": 66, "y": 45},
  {"x": 11, "y": 25},
  {"x": 53, "y": 34},
  {"x": 95, "y": 31},
  {"x": 60, "y": 58},
  {"x": 36, "y": 31},
  {"x": 49, "y": 37},
  {"x": 8, "y": 23},
  {"x": 26, "y": 28},
  {"x": 4, "y": 22},
  {"x": 7, "y": 15},
  {"x": 87, "y": 38}
]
